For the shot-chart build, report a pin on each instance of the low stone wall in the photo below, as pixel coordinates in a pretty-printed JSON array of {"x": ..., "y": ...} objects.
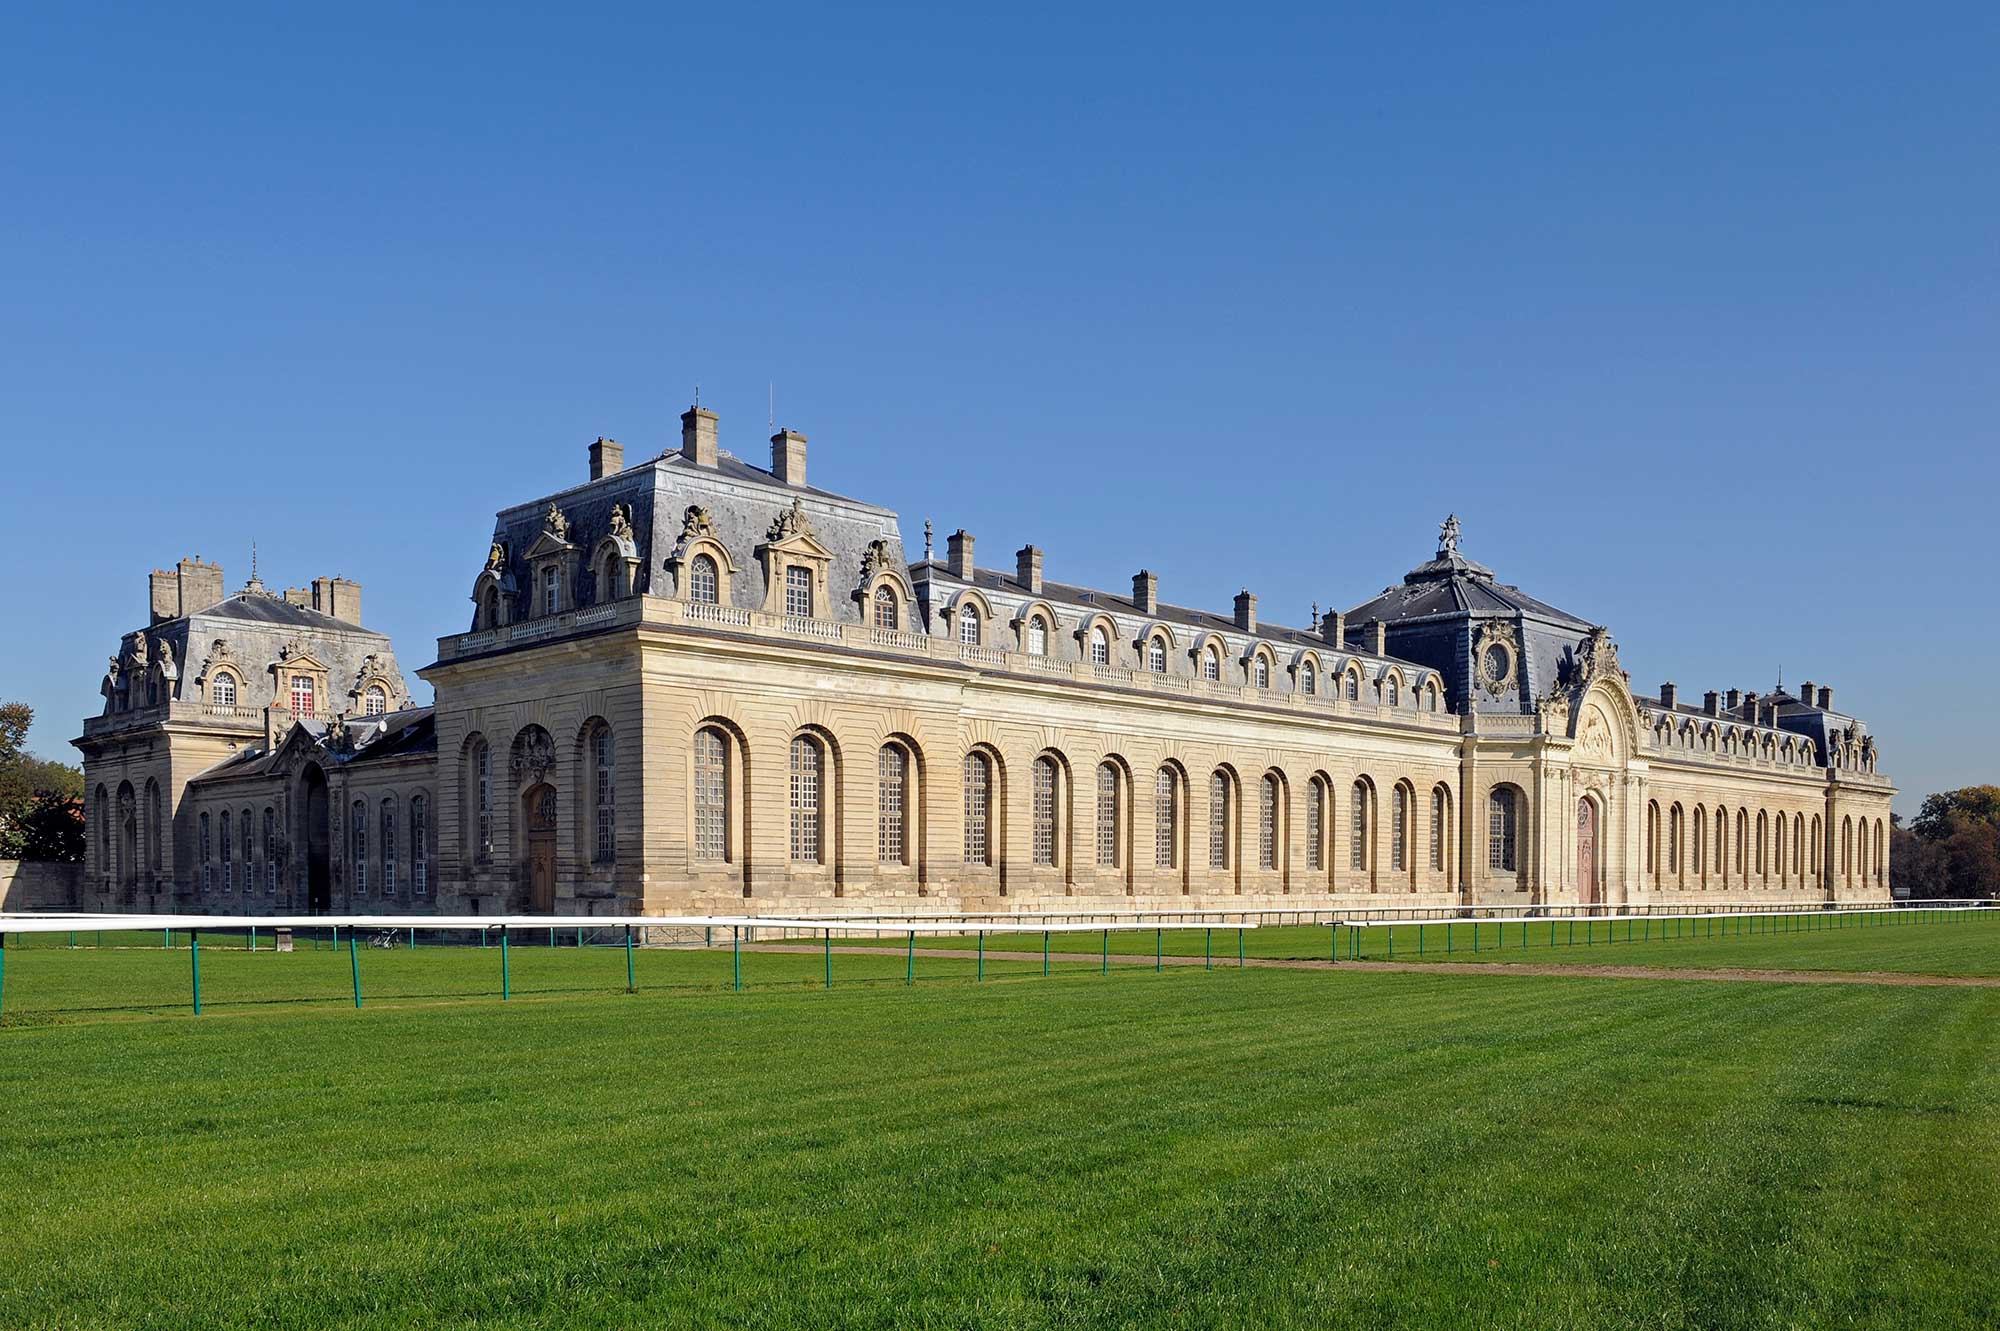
[{"x": 38, "y": 885}]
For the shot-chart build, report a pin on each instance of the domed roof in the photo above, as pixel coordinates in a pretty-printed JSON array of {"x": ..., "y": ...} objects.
[{"x": 1451, "y": 586}]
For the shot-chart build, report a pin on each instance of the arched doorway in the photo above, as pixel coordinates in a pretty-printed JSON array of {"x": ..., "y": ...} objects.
[
  {"x": 538, "y": 817},
  {"x": 319, "y": 839},
  {"x": 1586, "y": 851}
]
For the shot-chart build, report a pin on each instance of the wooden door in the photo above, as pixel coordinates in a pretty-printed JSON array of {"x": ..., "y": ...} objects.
[
  {"x": 1586, "y": 851},
  {"x": 540, "y": 808}
]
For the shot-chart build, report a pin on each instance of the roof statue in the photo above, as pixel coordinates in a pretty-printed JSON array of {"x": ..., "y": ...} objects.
[{"x": 1448, "y": 536}]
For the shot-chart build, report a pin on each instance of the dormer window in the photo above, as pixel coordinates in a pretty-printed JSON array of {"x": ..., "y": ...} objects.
[
  {"x": 222, "y": 693},
  {"x": 1211, "y": 665},
  {"x": 1156, "y": 656},
  {"x": 798, "y": 591},
  {"x": 551, "y": 590},
  {"x": 1393, "y": 694},
  {"x": 1100, "y": 647},
  {"x": 302, "y": 695},
  {"x": 702, "y": 580},
  {"x": 887, "y": 615},
  {"x": 1038, "y": 636},
  {"x": 968, "y": 625},
  {"x": 1308, "y": 679},
  {"x": 1261, "y": 672},
  {"x": 376, "y": 701},
  {"x": 1353, "y": 689}
]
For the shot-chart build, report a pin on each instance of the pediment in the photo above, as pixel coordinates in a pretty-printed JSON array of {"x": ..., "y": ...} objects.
[{"x": 549, "y": 546}]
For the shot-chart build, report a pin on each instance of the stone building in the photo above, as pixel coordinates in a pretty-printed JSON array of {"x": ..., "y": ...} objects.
[{"x": 702, "y": 685}]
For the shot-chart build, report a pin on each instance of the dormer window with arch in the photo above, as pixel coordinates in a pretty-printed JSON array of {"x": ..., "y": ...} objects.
[
  {"x": 702, "y": 582},
  {"x": 968, "y": 625},
  {"x": 1100, "y": 646},
  {"x": 1260, "y": 671},
  {"x": 1038, "y": 636},
  {"x": 1156, "y": 654},
  {"x": 1211, "y": 665},
  {"x": 375, "y": 702},
  {"x": 1351, "y": 685},
  {"x": 887, "y": 614},
  {"x": 554, "y": 563},
  {"x": 1308, "y": 678},
  {"x": 222, "y": 691},
  {"x": 1392, "y": 692}
]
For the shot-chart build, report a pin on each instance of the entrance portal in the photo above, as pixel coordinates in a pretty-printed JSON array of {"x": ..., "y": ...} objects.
[
  {"x": 538, "y": 816},
  {"x": 1586, "y": 852},
  {"x": 319, "y": 840}
]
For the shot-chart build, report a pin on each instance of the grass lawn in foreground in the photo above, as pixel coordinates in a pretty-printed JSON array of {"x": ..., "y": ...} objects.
[{"x": 1247, "y": 1148}]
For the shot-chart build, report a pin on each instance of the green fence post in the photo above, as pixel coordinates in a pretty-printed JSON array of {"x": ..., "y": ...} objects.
[
  {"x": 631, "y": 980},
  {"x": 1207, "y": 949},
  {"x": 910, "y": 961},
  {"x": 1447, "y": 937},
  {"x": 506, "y": 980},
  {"x": 194, "y": 966},
  {"x": 1045, "y": 952},
  {"x": 354, "y": 961},
  {"x": 1475, "y": 935},
  {"x": 1160, "y": 950},
  {"x": 1239, "y": 947},
  {"x": 166, "y": 940},
  {"x": 1420, "y": 938},
  {"x": 736, "y": 953},
  {"x": 253, "y": 938},
  {"x": 413, "y": 936},
  {"x": 3, "y": 971},
  {"x": 981, "y": 973},
  {"x": 1105, "y": 965},
  {"x": 829, "y": 957},
  {"x": 72, "y": 940},
  {"x": 1392, "y": 942},
  {"x": 579, "y": 935}
]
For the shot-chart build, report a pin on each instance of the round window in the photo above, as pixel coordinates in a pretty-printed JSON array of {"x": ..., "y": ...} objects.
[{"x": 1499, "y": 663}]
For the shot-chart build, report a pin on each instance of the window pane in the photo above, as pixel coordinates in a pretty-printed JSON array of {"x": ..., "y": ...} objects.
[
  {"x": 968, "y": 626},
  {"x": 1166, "y": 819},
  {"x": 1267, "y": 824},
  {"x": 711, "y": 796},
  {"x": 1045, "y": 811},
  {"x": 1107, "y": 815},
  {"x": 1357, "y": 848},
  {"x": 1218, "y": 821},
  {"x": 978, "y": 808},
  {"x": 1316, "y": 827},
  {"x": 702, "y": 580},
  {"x": 893, "y": 774},
  {"x": 798, "y": 591},
  {"x": 805, "y": 800}
]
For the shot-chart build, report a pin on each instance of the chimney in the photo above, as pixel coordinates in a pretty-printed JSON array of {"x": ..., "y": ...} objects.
[
  {"x": 201, "y": 585},
  {"x": 698, "y": 436},
  {"x": 958, "y": 554},
  {"x": 337, "y": 597},
  {"x": 1711, "y": 703},
  {"x": 1028, "y": 568},
  {"x": 1668, "y": 695},
  {"x": 1806, "y": 694},
  {"x": 1246, "y": 611},
  {"x": 1146, "y": 592},
  {"x": 1333, "y": 629},
  {"x": 1378, "y": 637},
  {"x": 1749, "y": 707},
  {"x": 607, "y": 458},
  {"x": 299, "y": 597},
  {"x": 164, "y": 589},
  {"x": 1735, "y": 699},
  {"x": 1825, "y": 698},
  {"x": 788, "y": 457}
]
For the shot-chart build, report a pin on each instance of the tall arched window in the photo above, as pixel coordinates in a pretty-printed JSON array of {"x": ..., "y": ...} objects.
[
  {"x": 1316, "y": 826},
  {"x": 1798, "y": 845},
  {"x": 1166, "y": 819},
  {"x": 1038, "y": 636},
  {"x": 207, "y": 869},
  {"x": 1399, "y": 829},
  {"x": 223, "y": 691},
  {"x": 711, "y": 796},
  {"x": 1440, "y": 816},
  {"x": 1100, "y": 647},
  {"x": 1763, "y": 835},
  {"x": 978, "y": 808},
  {"x": 892, "y": 804},
  {"x": 1308, "y": 679},
  {"x": 1351, "y": 686},
  {"x": 888, "y": 614},
  {"x": 611, "y": 578},
  {"x": 1108, "y": 815},
  {"x": 388, "y": 847},
  {"x": 1393, "y": 693},
  {"x": 808, "y": 781},
  {"x": 1156, "y": 656},
  {"x": 247, "y": 834},
  {"x": 1653, "y": 842},
  {"x": 1500, "y": 821},
  {"x": 357, "y": 819},
  {"x": 376, "y": 701},
  {"x": 1722, "y": 843},
  {"x": 420, "y": 845},
  {"x": 1818, "y": 842},
  {"x": 228, "y": 863},
  {"x": 1699, "y": 851},
  {"x": 1218, "y": 820},
  {"x": 603, "y": 794},
  {"x": 702, "y": 580},
  {"x": 153, "y": 837},
  {"x": 1044, "y": 838},
  {"x": 1778, "y": 845},
  {"x": 1211, "y": 665},
  {"x": 1742, "y": 842},
  {"x": 1357, "y": 830},
  {"x": 1261, "y": 673},
  {"x": 968, "y": 625},
  {"x": 489, "y": 608},
  {"x": 1674, "y": 842},
  {"x": 1881, "y": 851},
  {"x": 1267, "y": 822}
]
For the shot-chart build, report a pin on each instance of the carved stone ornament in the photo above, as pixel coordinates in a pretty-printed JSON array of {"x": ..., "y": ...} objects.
[
  {"x": 1554, "y": 706},
  {"x": 1448, "y": 536},
  {"x": 534, "y": 756},
  {"x": 555, "y": 524},
  {"x": 496, "y": 558},
  {"x": 621, "y": 522},
  {"x": 164, "y": 657},
  {"x": 337, "y": 737},
  {"x": 792, "y": 522},
  {"x": 291, "y": 649},
  {"x": 696, "y": 523},
  {"x": 875, "y": 559},
  {"x": 1594, "y": 744},
  {"x": 1496, "y": 654}
]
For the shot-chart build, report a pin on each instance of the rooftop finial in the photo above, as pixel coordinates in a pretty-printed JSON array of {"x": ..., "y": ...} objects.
[
  {"x": 927, "y": 539},
  {"x": 1448, "y": 536}
]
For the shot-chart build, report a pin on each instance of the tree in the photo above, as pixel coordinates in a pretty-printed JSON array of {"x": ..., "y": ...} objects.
[
  {"x": 1952, "y": 848},
  {"x": 39, "y": 800}
]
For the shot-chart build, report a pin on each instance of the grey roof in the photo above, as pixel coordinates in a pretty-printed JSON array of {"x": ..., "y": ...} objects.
[
  {"x": 261, "y": 608},
  {"x": 1450, "y": 586}
]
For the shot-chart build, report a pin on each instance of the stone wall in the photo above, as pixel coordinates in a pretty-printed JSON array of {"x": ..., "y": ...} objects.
[{"x": 27, "y": 885}]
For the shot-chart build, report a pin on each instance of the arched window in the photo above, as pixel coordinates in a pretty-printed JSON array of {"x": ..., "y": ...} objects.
[
  {"x": 1166, "y": 819},
  {"x": 1763, "y": 835},
  {"x": 1308, "y": 679},
  {"x": 711, "y": 796},
  {"x": 1431, "y": 696},
  {"x": 207, "y": 869},
  {"x": 603, "y": 794},
  {"x": 1674, "y": 841},
  {"x": 611, "y": 579},
  {"x": 1261, "y": 673},
  {"x": 1881, "y": 855},
  {"x": 892, "y": 804},
  {"x": 1778, "y": 845},
  {"x": 247, "y": 835},
  {"x": 357, "y": 820},
  {"x": 420, "y": 845},
  {"x": 1798, "y": 845},
  {"x": 978, "y": 808},
  {"x": 1742, "y": 841},
  {"x": 228, "y": 863},
  {"x": 479, "y": 797},
  {"x": 1211, "y": 665},
  {"x": 702, "y": 581},
  {"x": 1818, "y": 841},
  {"x": 1316, "y": 826},
  {"x": 1440, "y": 816},
  {"x": 1267, "y": 822},
  {"x": 968, "y": 625},
  {"x": 1038, "y": 636},
  {"x": 222, "y": 693},
  {"x": 389, "y": 847},
  {"x": 1847, "y": 848},
  {"x": 1399, "y": 829},
  {"x": 1351, "y": 688},
  {"x": 1722, "y": 843},
  {"x": 1699, "y": 851},
  {"x": 1156, "y": 655},
  {"x": 153, "y": 837},
  {"x": 808, "y": 778},
  {"x": 375, "y": 702},
  {"x": 888, "y": 614},
  {"x": 1044, "y": 838},
  {"x": 1100, "y": 647},
  {"x": 270, "y": 851},
  {"x": 1218, "y": 820},
  {"x": 489, "y": 607},
  {"x": 1500, "y": 828},
  {"x": 1357, "y": 831},
  {"x": 1653, "y": 842},
  {"x": 1108, "y": 810},
  {"x": 1393, "y": 692}
]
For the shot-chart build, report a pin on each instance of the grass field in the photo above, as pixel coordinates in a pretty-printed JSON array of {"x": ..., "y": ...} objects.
[{"x": 1239, "y": 1148}]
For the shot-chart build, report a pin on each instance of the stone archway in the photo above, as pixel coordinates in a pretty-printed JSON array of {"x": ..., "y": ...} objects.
[
  {"x": 313, "y": 808},
  {"x": 1589, "y": 852}
]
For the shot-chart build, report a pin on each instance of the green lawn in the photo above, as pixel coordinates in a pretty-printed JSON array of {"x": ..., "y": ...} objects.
[{"x": 1247, "y": 1148}]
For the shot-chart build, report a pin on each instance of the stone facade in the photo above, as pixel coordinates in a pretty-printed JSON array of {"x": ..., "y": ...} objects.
[{"x": 702, "y": 685}]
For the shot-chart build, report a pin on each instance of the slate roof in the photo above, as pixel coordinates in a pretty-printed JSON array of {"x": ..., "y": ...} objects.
[
  {"x": 1450, "y": 586},
  {"x": 254, "y": 608}
]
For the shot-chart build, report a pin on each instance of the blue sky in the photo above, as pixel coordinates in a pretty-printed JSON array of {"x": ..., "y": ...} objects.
[{"x": 1689, "y": 313}]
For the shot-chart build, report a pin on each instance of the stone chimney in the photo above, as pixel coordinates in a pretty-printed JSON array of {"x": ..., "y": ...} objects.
[
  {"x": 1246, "y": 611},
  {"x": 1711, "y": 703},
  {"x": 1735, "y": 699},
  {"x": 163, "y": 589},
  {"x": 1378, "y": 637},
  {"x": 1146, "y": 592},
  {"x": 1825, "y": 698},
  {"x": 1806, "y": 694},
  {"x": 607, "y": 458},
  {"x": 1749, "y": 707},
  {"x": 1333, "y": 629},
  {"x": 1028, "y": 568},
  {"x": 788, "y": 457},
  {"x": 698, "y": 436},
  {"x": 337, "y": 597},
  {"x": 958, "y": 554},
  {"x": 1668, "y": 695},
  {"x": 299, "y": 597},
  {"x": 189, "y": 586}
]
